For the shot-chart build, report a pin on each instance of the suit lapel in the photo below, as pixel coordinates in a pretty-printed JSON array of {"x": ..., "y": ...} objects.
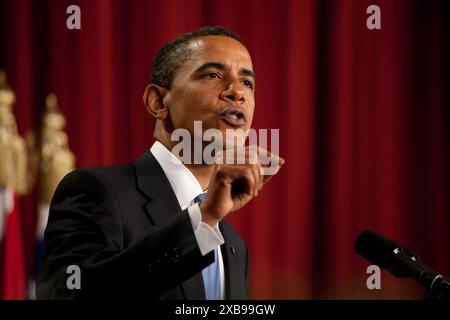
[
  {"x": 162, "y": 203},
  {"x": 233, "y": 287},
  {"x": 153, "y": 183}
]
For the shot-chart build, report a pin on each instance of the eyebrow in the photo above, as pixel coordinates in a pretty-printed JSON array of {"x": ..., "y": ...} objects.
[{"x": 222, "y": 66}]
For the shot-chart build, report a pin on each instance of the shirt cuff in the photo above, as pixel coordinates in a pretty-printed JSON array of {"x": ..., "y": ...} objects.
[{"x": 208, "y": 238}]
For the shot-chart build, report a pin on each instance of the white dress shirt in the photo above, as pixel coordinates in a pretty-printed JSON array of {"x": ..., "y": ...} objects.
[{"x": 186, "y": 188}]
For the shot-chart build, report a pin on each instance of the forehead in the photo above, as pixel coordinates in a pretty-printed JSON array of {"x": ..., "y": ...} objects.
[{"x": 219, "y": 49}]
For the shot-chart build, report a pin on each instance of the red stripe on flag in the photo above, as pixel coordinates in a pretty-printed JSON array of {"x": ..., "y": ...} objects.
[{"x": 12, "y": 261}]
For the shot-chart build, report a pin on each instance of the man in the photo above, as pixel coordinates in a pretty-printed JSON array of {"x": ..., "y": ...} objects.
[{"x": 147, "y": 230}]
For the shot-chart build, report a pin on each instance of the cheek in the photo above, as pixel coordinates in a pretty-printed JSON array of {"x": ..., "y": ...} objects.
[
  {"x": 186, "y": 105},
  {"x": 198, "y": 102},
  {"x": 251, "y": 112}
]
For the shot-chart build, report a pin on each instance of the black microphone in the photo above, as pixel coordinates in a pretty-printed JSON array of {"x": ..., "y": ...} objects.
[{"x": 401, "y": 262}]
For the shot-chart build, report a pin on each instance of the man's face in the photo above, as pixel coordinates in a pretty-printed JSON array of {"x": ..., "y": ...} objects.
[{"x": 215, "y": 85}]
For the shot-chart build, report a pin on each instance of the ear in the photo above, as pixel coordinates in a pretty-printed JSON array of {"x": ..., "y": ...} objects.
[{"x": 153, "y": 100}]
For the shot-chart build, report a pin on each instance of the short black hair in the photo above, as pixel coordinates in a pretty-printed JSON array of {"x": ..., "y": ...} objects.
[{"x": 174, "y": 53}]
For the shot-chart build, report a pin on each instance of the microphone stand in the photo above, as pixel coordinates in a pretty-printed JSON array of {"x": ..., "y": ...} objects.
[
  {"x": 440, "y": 291},
  {"x": 438, "y": 287}
]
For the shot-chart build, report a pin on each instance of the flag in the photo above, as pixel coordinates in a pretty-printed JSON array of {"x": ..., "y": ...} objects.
[
  {"x": 12, "y": 268},
  {"x": 42, "y": 218},
  {"x": 55, "y": 161}
]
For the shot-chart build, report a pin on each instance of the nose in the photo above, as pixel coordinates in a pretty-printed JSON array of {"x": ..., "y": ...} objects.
[{"x": 233, "y": 93}]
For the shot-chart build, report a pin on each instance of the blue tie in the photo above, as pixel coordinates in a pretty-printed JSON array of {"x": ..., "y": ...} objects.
[{"x": 211, "y": 274}]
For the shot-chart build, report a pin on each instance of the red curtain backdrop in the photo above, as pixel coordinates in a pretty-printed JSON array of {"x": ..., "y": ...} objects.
[{"x": 363, "y": 118}]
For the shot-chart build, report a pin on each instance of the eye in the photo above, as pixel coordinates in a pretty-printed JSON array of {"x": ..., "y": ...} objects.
[
  {"x": 213, "y": 75},
  {"x": 247, "y": 83}
]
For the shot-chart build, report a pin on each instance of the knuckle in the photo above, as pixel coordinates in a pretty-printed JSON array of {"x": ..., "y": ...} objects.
[
  {"x": 251, "y": 178},
  {"x": 221, "y": 173}
]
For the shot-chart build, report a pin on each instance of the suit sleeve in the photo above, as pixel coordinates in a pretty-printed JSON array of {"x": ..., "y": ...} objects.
[{"x": 85, "y": 230}]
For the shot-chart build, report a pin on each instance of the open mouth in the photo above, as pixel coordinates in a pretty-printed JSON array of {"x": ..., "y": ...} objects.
[{"x": 234, "y": 117}]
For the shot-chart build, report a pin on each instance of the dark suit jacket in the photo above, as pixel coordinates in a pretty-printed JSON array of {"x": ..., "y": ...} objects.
[{"x": 123, "y": 226}]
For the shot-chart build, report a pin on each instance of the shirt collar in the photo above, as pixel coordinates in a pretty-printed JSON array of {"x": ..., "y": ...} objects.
[{"x": 182, "y": 181}]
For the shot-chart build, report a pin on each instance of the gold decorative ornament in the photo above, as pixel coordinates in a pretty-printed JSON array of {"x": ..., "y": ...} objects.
[
  {"x": 56, "y": 159},
  {"x": 13, "y": 152}
]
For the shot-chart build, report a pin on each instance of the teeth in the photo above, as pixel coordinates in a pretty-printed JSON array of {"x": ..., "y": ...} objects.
[{"x": 235, "y": 115}]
